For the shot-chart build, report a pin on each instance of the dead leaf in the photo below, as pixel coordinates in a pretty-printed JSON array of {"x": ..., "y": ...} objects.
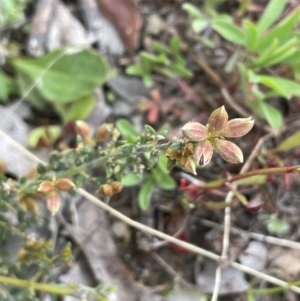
[
  {"x": 288, "y": 261},
  {"x": 125, "y": 17}
]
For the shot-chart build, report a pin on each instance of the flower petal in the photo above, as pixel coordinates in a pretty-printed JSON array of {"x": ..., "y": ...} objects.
[
  {"x": 195, "y": 131},
  {"x": 217, "y": 121},
  {"x": 187, "y": 164},
  {"x": 238, "y": 127},
  {"x": 229, "y": 151},
  {"x": 203, "y": 152}
]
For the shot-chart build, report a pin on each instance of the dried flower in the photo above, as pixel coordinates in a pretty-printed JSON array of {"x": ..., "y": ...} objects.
[
  {"x": 53, "y": 202},
  {"x": 64, "y": 184},
  {"x": 182, "y": 153},
  {"x": 46, "y": 187},
  {"x": 106, "y": 190},
  {"x": 103, "y": 132},
  {"x": 83, "y": 129},
  {"x": 116, "y": 186}
]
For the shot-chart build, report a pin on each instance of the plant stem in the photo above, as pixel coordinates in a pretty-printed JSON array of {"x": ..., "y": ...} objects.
[
  {"x": 265, "y": 171},
  {"x": 139, "y": 149},
  {"x": 48, "y": 288}
]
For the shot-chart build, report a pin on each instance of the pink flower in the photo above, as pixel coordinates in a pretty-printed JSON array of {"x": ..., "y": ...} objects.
[{"x": 212, "y": 137}]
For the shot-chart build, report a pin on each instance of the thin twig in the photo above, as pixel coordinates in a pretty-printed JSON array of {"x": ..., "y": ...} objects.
[
  {"x": 264, "y": 238},
  {"x": 170, "y": 270},
  {"x": 164, "y": 236}
]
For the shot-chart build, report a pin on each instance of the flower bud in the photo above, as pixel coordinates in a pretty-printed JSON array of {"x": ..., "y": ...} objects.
[
  {"x": 195, "y": 131},
  {"x": 217, "y": 121},
  {"x": 53, "y": 202},
  {"x": 106, "y": 190},
  {"x": 46, "y": 187},
  {"x": 102, "y": 133},
  {"x": 229, "y": 151},
  {"x": 83, "y": 129},
  {"x": 238, "y": 127},
  {"x": 64, "y": 184},
  {"x": 116, "y": 186}
]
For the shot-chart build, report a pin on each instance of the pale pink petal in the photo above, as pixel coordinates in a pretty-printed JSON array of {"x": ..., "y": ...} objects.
[
  {"x": 203, "y": 152},
  {"x": 229, "y": 151},
  {"x": 217, "y": 121},
  {"x": 195, "y": 131},
  {"x": 238, "y": 127}
]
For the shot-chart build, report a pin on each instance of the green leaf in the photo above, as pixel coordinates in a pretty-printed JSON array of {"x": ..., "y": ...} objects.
[
  {"x": 250, "y": 35},
  {"x": 292, "y": 60},
  {"x": 78, "y": 109},
  {"x": 145, "y": 194},
  {"x": 231, "y": 62},
  {"x": 181, "y": 70},
  {"x": 48, "y": 133},
  {"x": 149, "y": 57},
  {"x": 280, "y": 30},
  {"x": 278, "y": 226},
  {"x": 131, "y": 180},
  {"x": 192, "y": 10},
  {"x": 159, "y": 47},
  {"x": 288, "y": 143},
  {"x": 63, "y": 75},
  {"x": 162, "y": 179},
  {"x": 135, "y": 70},
  {"x": 12, "y": 11},
  {"x": 270, "y": 14},
  {"x": 36, "y": 99},
  {"x": 127, "y": 130},
  {"x": 162, "y": 163},
  {"x": 284, "y": 87},
  {"x": 175, "y": 44},
  {"x": 199, "y": 25},
  {"x": 148, "y": 81},
  {"x": 278, "y": 54},
  {"x": 266, "y": 53},
  {"x": 229, "y": 32},
  {"x": 7, "y": 87},
  {"x": 271, "y": 114},
  {"x": 259, "y": 179},
  {"x": 263, "y": 109}
]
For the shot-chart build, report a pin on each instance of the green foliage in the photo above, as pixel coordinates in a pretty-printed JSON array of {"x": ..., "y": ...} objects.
[
  {"x": 78, "y": 109},
  {"x": 276, "y": 225},
  {"x": 65, "y": 78},
  {"x": 127, "y": 130},
  {"x": 145, "y": 194},
  {"x": 288, "y": 143},
  {"x": 11, "y": 11},
  {"x": 265, "y": 44},
  {"x": 7, "y": 87},
  {"x": 168, "y": 61},
  {"x": 157, "y": 176}
]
